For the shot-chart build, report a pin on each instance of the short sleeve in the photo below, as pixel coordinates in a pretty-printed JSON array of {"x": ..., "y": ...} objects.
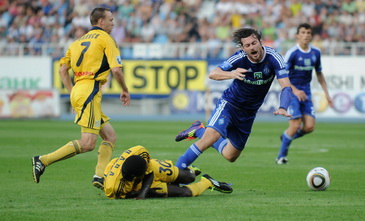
[
  {"x": 112, "y": 53},
  {"x": 66, "y": 59}
]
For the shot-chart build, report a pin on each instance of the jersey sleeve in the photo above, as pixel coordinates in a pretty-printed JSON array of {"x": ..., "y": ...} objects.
[
  {"x": 289, "y": 59},
  {"x": 67, "y": 59},
  {"x": 232, "y": 62},
  {"x": 112, "y": 53},
  {"x": 318, "y": 64},
  {"x": 280, "y": 66}
]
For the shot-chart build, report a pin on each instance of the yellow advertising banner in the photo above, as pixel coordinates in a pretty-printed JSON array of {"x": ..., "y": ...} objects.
[{"x": 157, "y": 77}]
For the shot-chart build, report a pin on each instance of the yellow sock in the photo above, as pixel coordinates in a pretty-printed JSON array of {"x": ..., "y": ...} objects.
[
  {"x": 104, "y": 154},
  {"x": 199, "y": 187},
  {"x": 69, "y": 150}
]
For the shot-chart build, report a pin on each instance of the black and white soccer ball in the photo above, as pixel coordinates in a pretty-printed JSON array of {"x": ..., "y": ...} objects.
[{"x": 318, "y": 178}]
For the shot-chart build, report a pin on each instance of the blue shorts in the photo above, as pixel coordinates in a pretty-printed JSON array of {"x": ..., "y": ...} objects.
[
  {"x": 299, "y": 108},
  {"x": 232, "y": 123}
]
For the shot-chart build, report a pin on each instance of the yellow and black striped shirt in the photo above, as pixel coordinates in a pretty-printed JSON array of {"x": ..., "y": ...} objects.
[{"x": 92, "y": 56}]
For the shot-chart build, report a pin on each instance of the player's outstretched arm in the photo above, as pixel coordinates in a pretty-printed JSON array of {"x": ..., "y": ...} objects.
[
  {"x": 285, "y": 97},
  {"x": 218, "y": 74}
]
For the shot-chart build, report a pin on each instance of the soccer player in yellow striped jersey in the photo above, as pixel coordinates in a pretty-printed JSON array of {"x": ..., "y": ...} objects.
[
  {"x": 91, "y": 59},
  {"x": 134, "y": 175}
]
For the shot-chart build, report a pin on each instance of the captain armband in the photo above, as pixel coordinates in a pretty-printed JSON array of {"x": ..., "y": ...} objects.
[{"x": 285, "y": 97}]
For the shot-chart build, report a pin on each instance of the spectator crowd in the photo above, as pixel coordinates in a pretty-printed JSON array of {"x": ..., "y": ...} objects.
[{"x": 181, "y": 21}]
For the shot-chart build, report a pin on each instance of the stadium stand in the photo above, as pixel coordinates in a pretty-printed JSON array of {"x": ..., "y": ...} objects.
[{"x": 180, "y": 28}]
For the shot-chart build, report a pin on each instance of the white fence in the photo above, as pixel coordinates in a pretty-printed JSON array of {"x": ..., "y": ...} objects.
[{"x": 174, "y": 50}]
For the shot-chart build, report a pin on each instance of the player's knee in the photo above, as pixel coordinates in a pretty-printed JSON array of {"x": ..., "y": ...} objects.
[
  {"x": 87, "y": 145},
  {"x": 186, "y": 176},
  {"x": 231, "y": 158},
  {"x": 185, "y": 192},
  {"x": 190, "y": 178},
  {"x": 309, "y": 129},
  {"x": 112, "y": 138},
  {"x": 295, "y": 127}
]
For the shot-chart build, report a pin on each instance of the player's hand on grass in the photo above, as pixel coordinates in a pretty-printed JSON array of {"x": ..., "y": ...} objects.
[
  {"x": 140, "y": 198},
  {"x": 131, "y": 195},
  {"x": 282, "y": 111}
]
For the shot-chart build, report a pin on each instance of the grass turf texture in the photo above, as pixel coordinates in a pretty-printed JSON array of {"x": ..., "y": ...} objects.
[{"x": 262, "y": 189}]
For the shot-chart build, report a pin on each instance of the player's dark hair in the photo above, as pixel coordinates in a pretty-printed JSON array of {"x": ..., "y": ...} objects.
[
  {"x": 305, "y": 26},
  {"x": 244, "y": 33},
  {"x": 96, "y": 14},
  {"x": 133, "y": 166}
]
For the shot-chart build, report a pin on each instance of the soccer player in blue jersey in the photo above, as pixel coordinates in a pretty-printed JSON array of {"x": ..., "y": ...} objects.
[
  {"x": 301, "y": 60},
  {"x": 253, "y": 69}
]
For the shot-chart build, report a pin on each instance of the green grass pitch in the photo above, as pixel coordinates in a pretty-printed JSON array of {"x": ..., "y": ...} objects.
[{"x": 262, "y": 189}]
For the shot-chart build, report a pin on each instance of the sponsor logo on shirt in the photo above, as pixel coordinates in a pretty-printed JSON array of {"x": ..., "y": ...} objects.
[
  {"x": 259, "y": 82},
  {"x": 301, "y": 68},
  {"x": 84, "y": 73},
  {"x": 257, "y": 75}
]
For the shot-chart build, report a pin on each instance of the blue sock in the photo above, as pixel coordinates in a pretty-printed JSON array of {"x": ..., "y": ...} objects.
[
  {"x": 298, "y": 134},
  {"x": 191, "y": 154},
  {"x": 199, "y": 133},
  {"x": 285, "y": 143},
  {"x": 220, "y": 144}
]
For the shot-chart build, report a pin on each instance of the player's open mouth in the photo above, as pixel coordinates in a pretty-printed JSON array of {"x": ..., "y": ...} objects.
[{"x": 254, "y": 52}]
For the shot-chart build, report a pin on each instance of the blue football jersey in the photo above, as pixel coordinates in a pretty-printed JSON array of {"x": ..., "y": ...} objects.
[
  {"x": 300, "y": 65},
  {"x": 249, "y": 93}
]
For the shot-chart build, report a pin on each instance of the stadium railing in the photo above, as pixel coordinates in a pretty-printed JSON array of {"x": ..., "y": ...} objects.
[{"x": 173, "y": 50}]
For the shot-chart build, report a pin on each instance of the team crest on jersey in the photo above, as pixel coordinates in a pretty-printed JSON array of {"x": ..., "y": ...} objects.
[
  {"x": 221, "y": 121},
  {"x": 266, "y": 70},
  {"x": 314, "y": 58}
]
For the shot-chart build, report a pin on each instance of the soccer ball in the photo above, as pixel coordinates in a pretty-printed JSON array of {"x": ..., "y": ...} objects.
[{"x": 318, "y": 178}]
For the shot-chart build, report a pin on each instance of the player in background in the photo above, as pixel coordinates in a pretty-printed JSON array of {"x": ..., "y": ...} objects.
[
  {"x": 91, "y": 58},
  {"x": 135, "y": 175},
  {"x": 301, "y": 60},
  {"x": 253, "y": 69}
]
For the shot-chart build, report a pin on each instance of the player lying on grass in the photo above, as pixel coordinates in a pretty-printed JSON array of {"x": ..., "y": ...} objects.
[{"x": 134, "y": 175}]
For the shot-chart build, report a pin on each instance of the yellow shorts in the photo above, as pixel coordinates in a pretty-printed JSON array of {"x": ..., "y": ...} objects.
[
  {"x": 165, "y": 172},
  {"x": 86, "y": 101}
]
